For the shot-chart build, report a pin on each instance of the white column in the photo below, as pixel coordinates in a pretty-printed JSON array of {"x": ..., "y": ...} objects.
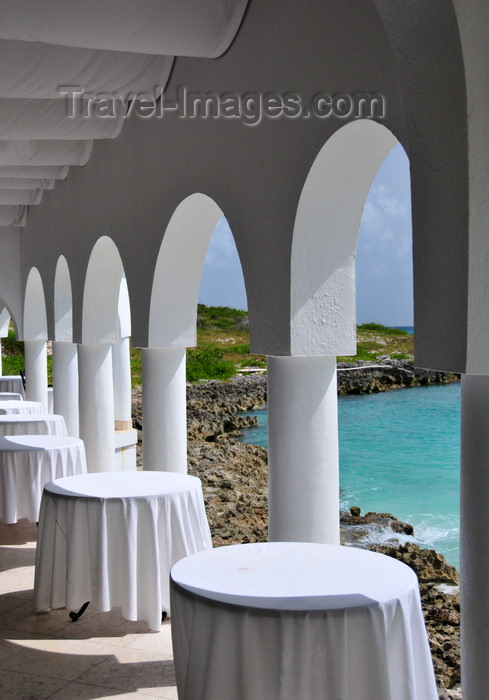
[
  {"x": 164, "y": 409},
  {"x": 36, "y": 372},
  {"x": 65, "y": 384},
  {"x": 303, "y": 467},
  {"x": 96, "y": 405},
  {"x": 474, "y": 536},
  {"x": 121, "y": 366}
]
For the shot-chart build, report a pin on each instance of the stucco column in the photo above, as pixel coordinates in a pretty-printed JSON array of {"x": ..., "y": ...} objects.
[
  {"x": 121, "y": 367},
  {"x": 65, "y": 384},
  {"x": 164, "y": 409},
  {"x": 474, "y": 536},
  {"x": 96, "y": 404},
  {"x": 303, "y": 463},
  {"x": 36, "y": 372}
]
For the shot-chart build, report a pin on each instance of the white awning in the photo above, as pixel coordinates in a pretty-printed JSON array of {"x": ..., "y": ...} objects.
[
  {"x": 20, "y": 196},
  {"x": 13, "y": 216},
  {"x": 35, "y": 70},
  {"x": 110, "y": 51},
  {"x": 25, "y": 183},
  {"x": 203, "y": 28},
  {"x": 48, "y": 119},
  {"x": 56, "y": 172},
  {"x": 49, "y": 152}
]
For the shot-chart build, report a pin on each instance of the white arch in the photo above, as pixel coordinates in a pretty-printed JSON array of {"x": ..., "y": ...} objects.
[
  {"x": 101, "y": 293},
  {"x": 124, "y": 310},
  {"x": 172, "y": 318},
  {"x": 35, "y": 319},
  {"x": 4, "y": 321},
  {"x": 63, "y": 304},
  {"x": 325, "y": 238}
]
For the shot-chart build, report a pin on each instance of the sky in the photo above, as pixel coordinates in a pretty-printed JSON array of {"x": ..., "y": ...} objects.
[{"x": 384, "y": 256}]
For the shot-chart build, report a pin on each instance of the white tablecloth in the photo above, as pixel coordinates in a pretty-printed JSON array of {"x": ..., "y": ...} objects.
[
  {"x": 27, "y": 463},
  {"x": 10, "y": 396},
  {"x": 294, "y": 621},
  {"x": 20, "y": 406},
  {"x": 12, "y": 382},
  {"x": 112, "y": 538},
  {"x": 37, "y": 424}
]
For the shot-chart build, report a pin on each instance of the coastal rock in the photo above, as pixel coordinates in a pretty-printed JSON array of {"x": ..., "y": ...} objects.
[
  {"x": 361, "y": 529},
  {"x": 212, "y": 406},
  {"x": 234, "y": 482},
  {"x": 370, "y": 378},
  {"x": 428, "y": 565}
]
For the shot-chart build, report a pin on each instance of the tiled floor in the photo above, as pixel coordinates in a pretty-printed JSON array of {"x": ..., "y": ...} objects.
[{"x": 48, "y": 656}]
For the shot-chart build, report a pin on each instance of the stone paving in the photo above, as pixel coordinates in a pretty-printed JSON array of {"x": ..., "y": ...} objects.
[{"x": 101, "y": 655}]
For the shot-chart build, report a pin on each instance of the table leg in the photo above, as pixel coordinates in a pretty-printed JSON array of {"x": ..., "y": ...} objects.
[{"x": 75, "y": 615}]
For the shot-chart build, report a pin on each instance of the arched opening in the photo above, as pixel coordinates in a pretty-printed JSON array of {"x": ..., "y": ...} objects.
[
  {"x": 323, "y": 313},
  {"x": 104, "y": 364},
  {"x": 35, "y": 339},
  {"x": 64, "y": 351},
  {"x": 101, "y": 293},
  {"x": 63, "y": 304},
  {"x": 384, "y": 261},
  {"x": 35, "y": 320},
  {"x": 222, "y": 282},
  {"x": 172, "y": 320},
  {"x": 4, "y": 332}
]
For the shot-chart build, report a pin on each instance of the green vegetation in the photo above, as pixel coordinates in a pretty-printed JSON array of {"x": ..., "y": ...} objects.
[
  {"x": 375, "y": 341},
  {"x": 208, "y": 362},
  {"x": 223, "y": 347},
  {"x": 220, "y": 318},
  {"x": 13, "y": 356},
  {"x": 379, "y": 328}
]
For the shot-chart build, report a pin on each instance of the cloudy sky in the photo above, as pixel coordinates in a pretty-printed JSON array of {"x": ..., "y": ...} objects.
[{"x": 384, "y": 261}]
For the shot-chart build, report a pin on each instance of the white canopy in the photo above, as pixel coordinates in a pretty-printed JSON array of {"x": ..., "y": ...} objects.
[
  {"x": 98, "y": 47},
  {"x": 24, "y": 183}
]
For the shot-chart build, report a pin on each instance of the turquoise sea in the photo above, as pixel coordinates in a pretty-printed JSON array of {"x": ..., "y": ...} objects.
[{"x": 399, "y": 453}]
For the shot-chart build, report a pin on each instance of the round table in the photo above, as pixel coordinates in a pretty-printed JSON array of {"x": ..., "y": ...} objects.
[
  {"x": 27, "y": 463},
  {"x": 19, "y": 407},
  {"x": 12, "y": 383},
  {"x": 112, "y": 538},
  {"x": 10, "y": 396},
  {"x": 283, "y": 621},
  {"x": 37, "y": 424}
]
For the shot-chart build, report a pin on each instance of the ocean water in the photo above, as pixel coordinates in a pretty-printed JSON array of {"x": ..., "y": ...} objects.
[
  {"x": 408, "y": 329},
  {"x": 399, "y": 453}
]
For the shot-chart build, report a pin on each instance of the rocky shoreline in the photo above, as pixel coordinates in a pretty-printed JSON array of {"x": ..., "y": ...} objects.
[{"x": 234, "y": 480}]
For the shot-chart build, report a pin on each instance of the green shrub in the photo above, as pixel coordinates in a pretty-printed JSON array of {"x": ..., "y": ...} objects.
[
  {"x": 221, "y": 317},
  {"x": 208, "y": 363},
  {"x": 379, "y": 328},
  {"x": 242, "y": 349},
  {"x": 12, "y": 364},
  {"x": 254, "y": 361}
]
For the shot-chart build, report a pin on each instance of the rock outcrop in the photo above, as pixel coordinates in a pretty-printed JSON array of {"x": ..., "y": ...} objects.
[{"x": 386, "y": 374}]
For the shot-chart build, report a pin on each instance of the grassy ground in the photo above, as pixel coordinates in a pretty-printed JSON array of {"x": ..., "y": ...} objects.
[
  {"x": 375, "y": 340},
  {"x": 223, "y": 347}
]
